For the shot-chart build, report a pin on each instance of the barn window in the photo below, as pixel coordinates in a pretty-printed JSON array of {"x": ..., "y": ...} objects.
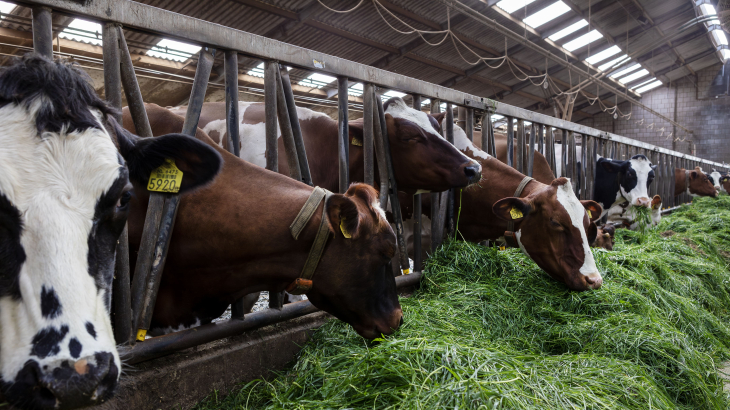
[
  {"x": 606, "y": 66},
  {"x": 549, "y": 13},
  {"x": 625, "y": 71},
  {"x": 510, "y": 6},
  {"x": 598, "y": 57},
  {"x": 317, "y": 80},
  {"x": 568, "y": 30},
  {"x": 83, "y": 31},
  {"x": 635, "y": 76},
  {"x": 173, "y": 50},
  {"x": 6, "y": 8},
  {"x": 649, "y": 86},
  {"x": 583, "y": 40}
]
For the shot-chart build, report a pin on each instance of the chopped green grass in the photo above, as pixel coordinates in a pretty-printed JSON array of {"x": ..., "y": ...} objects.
[{"x": 488, "y": 329}]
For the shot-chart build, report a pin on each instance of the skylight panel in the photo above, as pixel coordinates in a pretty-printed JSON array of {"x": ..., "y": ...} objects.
[
  {"x": 82, "y": 30},
  {"x": 643, "y": 83},
  {"x": 390, "y": 94},
  {"x": 497, "y": 117},
  {"x": 510, "y": 6},
  {"x": 6, "y": 8},
  {"x": 355, "y": 90},
  {"x": 173, "y": 50},
  {"x": 631, "y": 77},
  {"x": 625, "y": 71},
  {"x": 257, "y": 71},
  {"x": 549, "y": 13},
  {"x": 709, "y": 10},
  {"x": 613, "y": 62},
  {"x": 425, "y": 102},
  {"x": 317, "y": 80},
  {"x": 725, "y": 54},
  {"x": 609, "y": 52},
  {"x": 719, "y": 37},
  {"x": 581, "y": 41},
  {"x": 569, "y": 30},
  {"x": 649, "y": 86}
]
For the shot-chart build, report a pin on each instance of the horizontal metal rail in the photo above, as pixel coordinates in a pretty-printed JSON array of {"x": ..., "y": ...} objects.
[
  {"x": 134, "y": 15},
  {"x": 173, "y": 342}
]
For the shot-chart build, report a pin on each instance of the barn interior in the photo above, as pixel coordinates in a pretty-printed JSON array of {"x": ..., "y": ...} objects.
[{"x": 656, "y": 59}]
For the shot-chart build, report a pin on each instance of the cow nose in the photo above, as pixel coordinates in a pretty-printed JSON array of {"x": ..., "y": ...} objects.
[
  {"x": 473, "y": 173},
  {"x": 645, "y": 202},
  {"x": 594, "y": 281},
  {"x": 90, "y": 380}
]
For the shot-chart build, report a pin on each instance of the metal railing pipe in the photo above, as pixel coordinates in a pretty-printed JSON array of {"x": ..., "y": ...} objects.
[
  {"x": 531, "y": 151},
  {"x": 417, "y": 210},
  {"x": 42, "y": 31},
  {"x": 510, "y": 142},
  {"x": 296, "y": 128},
  {"x": 367, "y": 134},
  {"x": 287, "y": 134},
  {"x": 343, "y": 131},
  {"x": 230, "y": 64},
  {"x": 272, "y": 146}
]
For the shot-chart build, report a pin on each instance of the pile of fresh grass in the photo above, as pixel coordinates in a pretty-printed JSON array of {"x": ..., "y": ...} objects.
[{"x": 488, "y": 329}]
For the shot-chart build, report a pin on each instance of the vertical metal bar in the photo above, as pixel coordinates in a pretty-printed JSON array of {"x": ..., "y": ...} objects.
[
  {"x": 417, "y": 211},
  {"x": 272, "y": 147},
  {"x": 42, "y": 31},
  {"x": 531, "y": 150},
  {"x": 573, "y": 162},
  {"x": 541, "y": 139},
  {"x": 287, "y": 134},
  {"x": 380, "y": 151},
  {"x": 296, "y": 128},
  {"x": 470, "y": 124},
  {"x": 131, "y": 90},
  {"x": 520, "y": 149},
  {"x": 584, "y": 166},
  {"x": 169, "y": 212},
  {"x": 344, "y": 134},
  {"x": 461, "y": 117},
  {"x": 550, "y": 148},
  {"x": 435, "y": 240},
  {"x": 510, "y": 142},
  {"x": 367, "y": 133},
  {"x": 231, "y": 72},
  {"x": 121, "y": 286},
  {"x": 449, "y": 131},
  {"x": 564, "y": 154}
]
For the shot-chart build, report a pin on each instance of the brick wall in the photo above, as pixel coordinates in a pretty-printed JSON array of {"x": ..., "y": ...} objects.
[{"x": 708, "y": 119}]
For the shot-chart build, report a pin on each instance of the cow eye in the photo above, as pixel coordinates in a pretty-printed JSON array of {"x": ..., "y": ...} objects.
[
  {"x": 124, "y": 200},
  {"x": 555, "y": 224}
]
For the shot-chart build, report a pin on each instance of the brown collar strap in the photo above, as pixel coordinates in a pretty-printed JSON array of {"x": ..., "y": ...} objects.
[
  {"x": 509, "y": 236},
  {"x": 303, "y": 283}
]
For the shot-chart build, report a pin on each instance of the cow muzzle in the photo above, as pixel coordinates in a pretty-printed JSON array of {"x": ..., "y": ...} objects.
[
  {"x": 379, "y": 327},
  {"x": 643, "y": 201},
  {"x": 473, "y": 173},
  {"x": 87, "y": 381},
  {"x": 594, "y": 281}
]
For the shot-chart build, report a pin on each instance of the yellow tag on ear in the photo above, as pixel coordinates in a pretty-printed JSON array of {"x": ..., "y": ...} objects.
[
  {"x": 515, "y": 213},
  {"x": 501, "y": 248},
  {"x": 342, "y": 228},
  {"x": 356, "y": 141},
  {"x": 406, "y": 271},
  {"x": 166, "y": 178},
  {"x": 589, "y": 213},
  {"x": 141, "y": 333}
]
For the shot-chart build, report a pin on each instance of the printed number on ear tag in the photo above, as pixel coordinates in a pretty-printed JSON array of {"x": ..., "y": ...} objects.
[
  {"x": 166, "y": 178},
  {"x": 342, "y": 228},
  {"x": 515, "y": 213},
  {"x": 589, "y": 214}
]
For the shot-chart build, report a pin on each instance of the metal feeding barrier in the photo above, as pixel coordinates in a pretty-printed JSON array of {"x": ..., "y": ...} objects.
[{"x": 134, "y": 299}]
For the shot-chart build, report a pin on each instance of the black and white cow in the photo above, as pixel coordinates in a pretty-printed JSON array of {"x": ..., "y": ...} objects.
[
  {"x": 715, "y": 178},
  {"x": 65, "y": 172},
  {"x": 618, "y": 182}
]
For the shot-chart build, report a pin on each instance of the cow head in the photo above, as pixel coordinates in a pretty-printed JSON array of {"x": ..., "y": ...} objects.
[
  {"x": 352, "y": 281},
  {"x": 605, "y": 237},
  {"x": 700, "y": 184},
  {"x": 64, "y": 198},
  {"x": 634, "y": 177},
  {"x": 725, "y": 183},
  {"x": 422, "y": 158},
  {"x": 715, "y": 180},
  {"x": 554, "y": 230}
]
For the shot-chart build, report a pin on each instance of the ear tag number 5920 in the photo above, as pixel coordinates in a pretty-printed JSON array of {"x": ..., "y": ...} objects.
[{"x": 166, "y": 178}]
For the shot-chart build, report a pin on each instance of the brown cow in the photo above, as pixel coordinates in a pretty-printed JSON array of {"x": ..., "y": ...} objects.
[
  {"x": 232, "y": 238},
  {"x": 551, "y": 225},
  {"x": 605, "y": 238},
  {"x": 699, "y": 183},
  {"x": 422, "y": 159},
  {"x": 725, "y": 183}
]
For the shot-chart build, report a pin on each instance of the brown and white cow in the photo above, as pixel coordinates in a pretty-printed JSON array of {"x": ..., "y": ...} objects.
[
  {"x": 232, "y": 238},
  {"x": 65, "y": 172},
  {"x": 699, "y": 183},
  {"x": 605, "y": 238},
  {"x": 552, "y": 226},
  {"x": 422, "y": 159}
]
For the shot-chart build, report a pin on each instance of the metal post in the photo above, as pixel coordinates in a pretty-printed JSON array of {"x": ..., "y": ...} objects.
[
  {"x": 231, "y": 73},
  {"x": 510, "y": 142},
  {"x": 417, "y": 210},
  {"x": 435, "y": 241},
  {"x": 287, "y": 134},
  {"x": 343, "y": 143},
  {"x": 272, "y": 146},
  {"x": 583, "y": 179},
  {"x": 367, "y": 134},
  {"x": 42, "y": 31},
  {"x": 564, "y": 154},
  {"x": 296, "y": 128},
  {"x": 531, "y": 150},
  {"x": 449, "y": 131},
  {"x": 520, "y": 151},
  {"x": 121, "y": 286},
  {"x": 573, "y": 162},
  {"x": 380, "y": 152},
  {"x": 461, "y": 117},
  {"x": 470, "y": 124},
  {"x": 541, "y": 139},
  {"x": 169, "y": 212},
  {"x": 550, "y": 148}
]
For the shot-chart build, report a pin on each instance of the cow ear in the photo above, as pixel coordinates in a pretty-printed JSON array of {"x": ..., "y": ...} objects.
[
  {"x": 593, "y": 209},
  {"x": 592, "y": 232},
  {"x": 610, "y": 166},
  {"x": 439, "y": 117},
  {"x": 656, "y": 202},
  {"x": 693, "y": 174},
  {"x": 653, "y": 167},
  {"x": 390, "y": 126},
  {"x": 512, "y": 209},
  {"x": 354, "y": 131},
  {"x": 343, "y": 216},
  {"x": 198, "y": 162}
]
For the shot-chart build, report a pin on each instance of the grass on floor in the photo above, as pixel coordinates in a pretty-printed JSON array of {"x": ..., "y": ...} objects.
[{"x": 488, "y": 329}]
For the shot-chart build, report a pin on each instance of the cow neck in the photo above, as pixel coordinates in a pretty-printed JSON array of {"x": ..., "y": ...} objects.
[
  {"x": 509, "y": 234},
  {"x": 681, "y": 184}
]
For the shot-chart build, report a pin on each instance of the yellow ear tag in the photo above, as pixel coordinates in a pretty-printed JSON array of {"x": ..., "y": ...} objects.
[
  {"x": 342, "y": 228},
  {"x": 356, "y": 141},
  {"x": 589, "y": 214},
  {"x": 515, "y": 213},
  {"x": 166, "y": 178},
  {"x": 141, "y": 333}
]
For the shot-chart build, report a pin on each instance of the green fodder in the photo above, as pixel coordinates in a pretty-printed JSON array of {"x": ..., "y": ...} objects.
[{"x": 488, "y": 329}]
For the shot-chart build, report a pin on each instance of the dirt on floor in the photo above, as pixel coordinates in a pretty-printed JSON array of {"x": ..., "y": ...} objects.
[{"x": 724, "y": 372}]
